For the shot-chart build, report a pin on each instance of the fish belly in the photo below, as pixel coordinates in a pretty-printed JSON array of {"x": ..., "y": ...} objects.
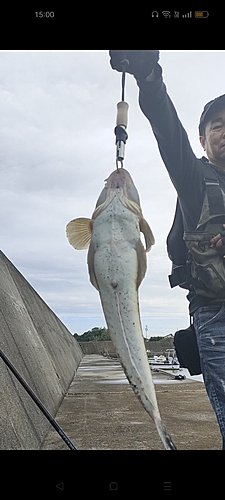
[{"x": 116, "y": 267}]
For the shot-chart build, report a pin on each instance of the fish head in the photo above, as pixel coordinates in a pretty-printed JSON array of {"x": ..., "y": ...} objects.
[
  {"x": 120, "y": 179},
  {"x": 119, "y": 183}
]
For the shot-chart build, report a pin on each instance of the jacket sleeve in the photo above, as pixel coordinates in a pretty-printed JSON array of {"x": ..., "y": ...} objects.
[{"x": 171, "y": 137}]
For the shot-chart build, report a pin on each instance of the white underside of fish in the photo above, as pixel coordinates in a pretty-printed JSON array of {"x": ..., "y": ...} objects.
[
  {"x": 117, "y": 265},
  {"x": 114, "y": 262}
]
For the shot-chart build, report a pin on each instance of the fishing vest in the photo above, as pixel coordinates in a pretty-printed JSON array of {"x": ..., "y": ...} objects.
[{"x": 199, "y": 265}]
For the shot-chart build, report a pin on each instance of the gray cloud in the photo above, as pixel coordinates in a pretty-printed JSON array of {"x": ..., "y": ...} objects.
[{"x": 57, "y": 119}]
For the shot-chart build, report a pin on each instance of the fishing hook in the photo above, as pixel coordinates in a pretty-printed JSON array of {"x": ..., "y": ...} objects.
[{"x": 117, "y": 164}]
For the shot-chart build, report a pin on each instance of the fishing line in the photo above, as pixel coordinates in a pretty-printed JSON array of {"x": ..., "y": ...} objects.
[
  {"x": 37, "y": 401},
  {"x": 121, "y": 120},
  {"x": 124, "y": 64},
  {"x": 123, "y": 85}
]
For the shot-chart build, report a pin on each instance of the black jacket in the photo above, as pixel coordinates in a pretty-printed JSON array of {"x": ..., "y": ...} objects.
[{"x": 185, "y": 170}]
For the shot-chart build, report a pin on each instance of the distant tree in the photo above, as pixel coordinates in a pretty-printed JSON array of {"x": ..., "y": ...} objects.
[
  {"x": 155, "y": 338},
  {"x": 96, "y": 333},
  {"x": 161, "y": 338}
]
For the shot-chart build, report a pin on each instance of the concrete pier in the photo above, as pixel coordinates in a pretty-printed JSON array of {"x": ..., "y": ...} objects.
[{"x": 101, "y": 412}]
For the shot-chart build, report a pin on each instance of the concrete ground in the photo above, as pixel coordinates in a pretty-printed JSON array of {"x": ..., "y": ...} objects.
[{"x": 101, "y": 412}]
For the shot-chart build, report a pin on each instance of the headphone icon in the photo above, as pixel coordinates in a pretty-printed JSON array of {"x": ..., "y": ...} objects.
[{"x": 155, "y": 13}]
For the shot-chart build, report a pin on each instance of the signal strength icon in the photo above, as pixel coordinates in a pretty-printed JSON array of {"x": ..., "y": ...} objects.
[
  {"x": 188, "y": 15},
  {"x": 166, "y": 13}
]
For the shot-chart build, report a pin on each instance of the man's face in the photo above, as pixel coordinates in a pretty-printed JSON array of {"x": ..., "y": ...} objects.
[{"x": 214, "y": 140}]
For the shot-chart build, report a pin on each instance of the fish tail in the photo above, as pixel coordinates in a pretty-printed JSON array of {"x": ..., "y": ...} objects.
[
  {"x": 161, "y": 428},
  {"x": 164, "y": 435}
]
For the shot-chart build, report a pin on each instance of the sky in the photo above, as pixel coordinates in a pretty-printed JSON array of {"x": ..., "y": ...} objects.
[{"x": 57, "y": 120}]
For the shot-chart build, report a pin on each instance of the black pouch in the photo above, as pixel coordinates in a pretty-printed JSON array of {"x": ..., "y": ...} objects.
[{"x": 187, "y": 352}]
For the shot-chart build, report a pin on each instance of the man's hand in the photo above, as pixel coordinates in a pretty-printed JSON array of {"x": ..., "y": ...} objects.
[
  {"x": 218, "y": 240},
  {"x": 139, "y": 63}
]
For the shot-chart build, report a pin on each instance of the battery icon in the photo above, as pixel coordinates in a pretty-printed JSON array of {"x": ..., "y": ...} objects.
[{"x": 199, "y": 14}]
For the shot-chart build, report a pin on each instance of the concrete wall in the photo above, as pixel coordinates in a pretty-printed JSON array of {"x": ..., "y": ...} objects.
[
  {"x": 106, "y": 347},
  {"x": 158, "y": 347},
  {"x": 98, "y": 347},
  {"x": 43, "y": 351}
]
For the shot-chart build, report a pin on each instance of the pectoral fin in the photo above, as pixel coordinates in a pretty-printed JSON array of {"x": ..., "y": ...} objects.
[
  {"x": 147, "y": 232},
  {"x": 78, "y": 232},
  {"x": 142, "y": 263}
]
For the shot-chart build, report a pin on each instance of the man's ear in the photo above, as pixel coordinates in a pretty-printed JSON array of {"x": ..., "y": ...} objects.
[{"x": 202, "y": 141}]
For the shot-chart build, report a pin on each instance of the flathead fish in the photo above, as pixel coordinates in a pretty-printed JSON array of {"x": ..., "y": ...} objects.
[{"x": 117, "y": 265}]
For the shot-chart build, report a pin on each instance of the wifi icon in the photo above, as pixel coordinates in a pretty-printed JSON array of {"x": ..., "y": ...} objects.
[{"x": 166, "y": 13}]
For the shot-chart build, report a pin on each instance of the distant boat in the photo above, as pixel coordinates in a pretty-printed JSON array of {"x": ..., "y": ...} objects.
[{"x": 164, "y": 362}]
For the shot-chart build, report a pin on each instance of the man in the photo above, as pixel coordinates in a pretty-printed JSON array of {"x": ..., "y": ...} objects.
[{"x": 200, "y": 184}]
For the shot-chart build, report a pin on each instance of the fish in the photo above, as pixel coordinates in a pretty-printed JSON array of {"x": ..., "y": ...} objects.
[{"x": 117, "y": 264}]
